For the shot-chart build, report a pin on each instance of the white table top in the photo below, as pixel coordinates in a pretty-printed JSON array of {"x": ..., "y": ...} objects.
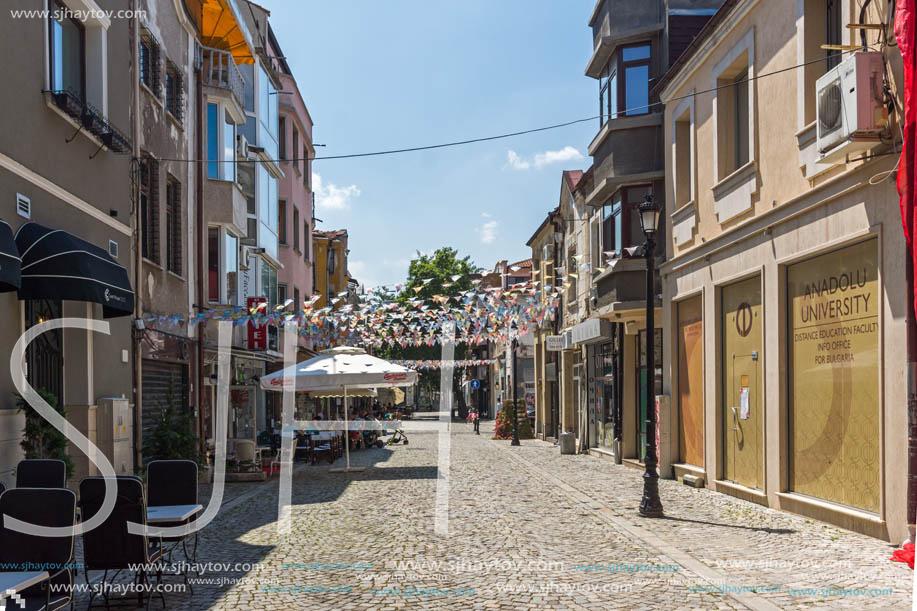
[
  {"x": 19, "y": 581},
  {"x": 171, "y": 513}
]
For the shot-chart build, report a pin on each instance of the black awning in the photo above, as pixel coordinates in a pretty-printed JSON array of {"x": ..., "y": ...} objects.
[
  {"x": 9, "y": 260},
  {"x": 58, "y": 265}
]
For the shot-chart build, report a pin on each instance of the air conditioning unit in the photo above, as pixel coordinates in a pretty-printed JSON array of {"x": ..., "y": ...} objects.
[
  {"x": 850, "y": 111},
  {"x": 241, "y": 146},
  {"x": 547, "y": 252}
]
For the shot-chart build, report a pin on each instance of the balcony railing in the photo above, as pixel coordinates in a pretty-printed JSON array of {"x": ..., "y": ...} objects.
[
  {"x": 219, "y": 70},
  {"x": 91, "y": 120}
]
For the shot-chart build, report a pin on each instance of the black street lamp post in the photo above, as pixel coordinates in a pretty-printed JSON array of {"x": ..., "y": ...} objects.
[
  {"x": 515, "y": 441},
  {"x": 650, "y": 506}
]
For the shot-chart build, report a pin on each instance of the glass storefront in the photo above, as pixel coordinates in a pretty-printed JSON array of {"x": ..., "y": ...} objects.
[
  {"x": 641, "y": 385},
  {"x": 833, "y": 351},
  {"x": 603, "y": 395}
]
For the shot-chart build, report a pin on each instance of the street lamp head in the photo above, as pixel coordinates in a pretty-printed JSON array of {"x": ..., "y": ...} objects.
[{"x": 649, "y": 216}]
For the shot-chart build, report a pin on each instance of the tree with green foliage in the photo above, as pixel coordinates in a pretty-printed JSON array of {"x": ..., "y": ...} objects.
[
  {"x": 442, "y": 273},
  {"x": 40, "y": 439},
  {"x": 173, "y": 436}
]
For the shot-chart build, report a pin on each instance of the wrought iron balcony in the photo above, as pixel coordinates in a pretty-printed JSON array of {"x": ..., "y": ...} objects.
[
  {"x": 219, "y": 70},
  {"x": 91, "y": 119}
]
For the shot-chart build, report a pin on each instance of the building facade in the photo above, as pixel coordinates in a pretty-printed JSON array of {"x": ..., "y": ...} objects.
[
  {"x": 167, "y": 59},
  {"x": 785, "y": 286},
  {"x": 331, "y": 280},
  {"x": 634, "y": 43},
  {"x": 294, "y": 281},
  {"x": 65, "y": 167}
]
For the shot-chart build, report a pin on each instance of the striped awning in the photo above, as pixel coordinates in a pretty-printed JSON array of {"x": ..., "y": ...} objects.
[{"x": 58, "y": 265}]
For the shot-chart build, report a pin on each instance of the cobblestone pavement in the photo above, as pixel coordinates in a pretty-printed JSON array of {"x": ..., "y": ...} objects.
[{"x": 528, "y": 529}]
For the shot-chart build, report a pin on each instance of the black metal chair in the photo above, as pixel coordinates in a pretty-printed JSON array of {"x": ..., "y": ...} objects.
[
  {"x": 44, "y": 507},
  {"x": 41, "y": 473},
  {"x": 110, "y": 547},
  {"x": 173, "y": 482}
]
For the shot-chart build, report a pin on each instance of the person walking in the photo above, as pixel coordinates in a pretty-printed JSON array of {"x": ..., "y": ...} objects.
[{"x": 476, "y": 417}]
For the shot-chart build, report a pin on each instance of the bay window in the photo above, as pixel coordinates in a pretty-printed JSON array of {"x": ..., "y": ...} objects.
[{"x": 624, "y": 86}]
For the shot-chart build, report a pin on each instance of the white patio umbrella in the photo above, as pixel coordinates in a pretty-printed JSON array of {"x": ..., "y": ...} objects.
[{"x": 340, "y": 369}]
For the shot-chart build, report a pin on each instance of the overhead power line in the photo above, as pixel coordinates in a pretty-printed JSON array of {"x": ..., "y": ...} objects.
[{"x": 627, "y": 111}]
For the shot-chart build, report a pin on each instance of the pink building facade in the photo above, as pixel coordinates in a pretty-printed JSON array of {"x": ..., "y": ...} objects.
[{"x": 295, "y": 194}]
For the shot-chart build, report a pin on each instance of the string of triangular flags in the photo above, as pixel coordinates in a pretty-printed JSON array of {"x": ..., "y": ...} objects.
[
  {"x": 434, "y": 364},
  {"x": 479, "y": 314}
]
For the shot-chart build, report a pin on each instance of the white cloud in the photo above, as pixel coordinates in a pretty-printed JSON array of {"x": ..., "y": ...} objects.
[
  {"x": 486, "y": 215},
  {"x": 332, "y": 197},
  {"x": 515, "y": 161},
  {"x": 568, "y": 153},
  {"x": 488, "y": 232}
]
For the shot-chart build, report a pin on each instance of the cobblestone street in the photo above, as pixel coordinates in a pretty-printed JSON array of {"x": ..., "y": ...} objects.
[{"x": 528, "y": 528}]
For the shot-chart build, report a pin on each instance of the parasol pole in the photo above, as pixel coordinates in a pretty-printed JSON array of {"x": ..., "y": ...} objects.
[{"x": 346, "y": 430}]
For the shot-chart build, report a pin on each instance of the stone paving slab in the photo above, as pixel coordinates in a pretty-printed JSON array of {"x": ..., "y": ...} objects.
[{"x": 525, "y": 524}]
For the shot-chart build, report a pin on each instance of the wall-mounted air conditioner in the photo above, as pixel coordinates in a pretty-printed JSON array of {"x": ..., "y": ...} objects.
[
  {"x": 547, "y": 252},
  {"x": 850, "y": 111},
  {"x": 241, "y": 146}
]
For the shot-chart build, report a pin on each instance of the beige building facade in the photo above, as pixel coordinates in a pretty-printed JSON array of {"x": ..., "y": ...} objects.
[{"x": 785, "y": 299}]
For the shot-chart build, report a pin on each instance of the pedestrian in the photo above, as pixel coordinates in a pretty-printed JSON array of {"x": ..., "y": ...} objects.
[{"x": 477, "y": 421}]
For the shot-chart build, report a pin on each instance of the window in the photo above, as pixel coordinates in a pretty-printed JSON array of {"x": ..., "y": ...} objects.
[
  {"x": 306, "y": 169},
  {"x": 221, "y": 143},
  {"x": 269, "y": 284},
  {"x": 232, "y": 268},
  {"x": 635, "y": 88},
  {"x": 175, "y": 92},
  {"x": 282, "y": 134},
  {"x": 823, "y": 25},
  {"x": 612, "y": 225},
  {"x": 740, "y": 118},
  {"x": 331, "y": 261},
  {"x": 282, "y": 221},
  {"x": 228, "y": 169},
  {"x": 268, "y": 215},
  {"x": 683, "y": 153},
  {"x": 633, "y": 197},
  {"x": 267, "y": 114},
  {"x": 149, "y": 62},
  {"x": 295, "y": 228},
  {"x": 307, "y": 241},
  {"x": 149, "y": 208},
  {"x": 733, "y": 108},
  {"x": 624, "y": 87},
  {"x": 173, "y": 226},
  {"x": 213, "y": 264},
  {"x": 295, "y": 148},
  {"x": 297, "y": 305},
  {"x": 281, "y": 294},
  {"x": 213, "y": 141},
  {"x": 67, "y": 41}
]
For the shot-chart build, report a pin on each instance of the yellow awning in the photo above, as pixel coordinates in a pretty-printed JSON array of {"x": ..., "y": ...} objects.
[{"x": 222, "y": 28}]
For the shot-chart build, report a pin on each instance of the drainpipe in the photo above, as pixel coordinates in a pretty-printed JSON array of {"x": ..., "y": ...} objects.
[
  {"x": 137, "y": 334},
  {"x": 556, "y": 355},
  {"x": 199, "y": 255}
]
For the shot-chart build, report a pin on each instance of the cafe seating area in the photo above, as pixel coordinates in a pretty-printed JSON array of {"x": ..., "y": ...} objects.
[{"x": 40, "y": 497}]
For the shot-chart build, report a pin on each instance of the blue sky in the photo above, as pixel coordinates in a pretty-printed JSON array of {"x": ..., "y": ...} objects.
[{"x": 380, "y": 75}]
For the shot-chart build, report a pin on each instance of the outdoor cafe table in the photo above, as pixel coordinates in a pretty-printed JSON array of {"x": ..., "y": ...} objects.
[
  {"x": 159, "y": 514},
  {"x": 19, "y": 581}
]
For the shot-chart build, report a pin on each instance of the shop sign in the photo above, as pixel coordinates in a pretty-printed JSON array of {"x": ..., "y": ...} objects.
[
  {"x": 834, "y": 303},
  {"x": 257, "y": 335},
  {"x": 590, "y": 331},
  {"x": 554, "y": 343}
]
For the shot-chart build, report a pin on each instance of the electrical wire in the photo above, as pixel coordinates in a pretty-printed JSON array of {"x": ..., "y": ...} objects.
[{"x": 627, "y": 111}]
